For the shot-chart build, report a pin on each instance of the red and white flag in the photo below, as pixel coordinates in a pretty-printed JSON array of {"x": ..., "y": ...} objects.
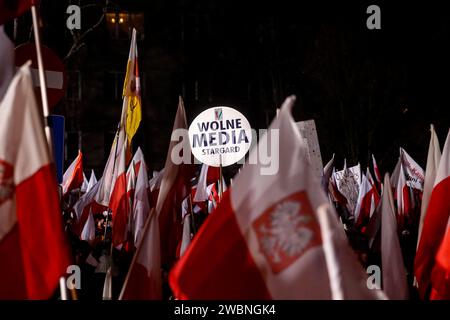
[
  {"x": 33, "y": 247},
  {"x": 404, "y": 205},
  {"x": 435, "y": 223},
  {"x": 141, "y": 204},
  {"x": 396, "y": 173},
  {"x": 175, "y": 186},
  {"x": 131, "y": 188},
  {"x": 272, "y": 237},
  {"x": 138, "y": 158},
  {"x": 119, "y": 203},
  {"x": 84, "y": 185},
  {"x": 364, "y": 203},
  {"x": 369, "y": 177},
  {"x": 202, "y": 193},
  {"x": 129, "y": 122},
  {"x": 433, "y": 159},
  {"x": 393, "y": 269},
  {"x": 88, "y": 232},
  {"x": 131, "y": 183},
  {"x": 144, "y": 278},
  {"x": 440, "y": 276},
  {"x": 110, "y": 173},
  {"x": 88, "y": 184},
  {"x": 376, "y": 170},
  {"x": 415, "y": 176},
  {"x": 153, "y": 187},
  {"x": 87, "y": 205},
  {"x": 73, "y": 177},
  {"x": 92, "y": 181},
  {"x": 374, "y": 191}
]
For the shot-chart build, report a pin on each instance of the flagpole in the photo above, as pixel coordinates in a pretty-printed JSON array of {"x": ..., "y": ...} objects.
[
  {"x": 42, "y": 80},
  {"x": 62, "y": 288},
  {"x": 221, "y": 180},
  {"x": 114, "y": 167},
  {"x": 192, "y": 212}
]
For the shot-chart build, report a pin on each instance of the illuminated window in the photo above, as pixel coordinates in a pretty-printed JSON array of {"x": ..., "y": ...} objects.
[{"x": 120, "y": 24}]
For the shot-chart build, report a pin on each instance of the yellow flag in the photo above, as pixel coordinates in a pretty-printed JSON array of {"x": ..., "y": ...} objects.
[
  {"x": 132, "y": 92},
  {"x": 133, "y": 116}
]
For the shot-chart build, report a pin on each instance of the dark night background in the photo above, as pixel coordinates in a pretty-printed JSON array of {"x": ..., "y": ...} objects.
[{"x": 369, "y": 91}]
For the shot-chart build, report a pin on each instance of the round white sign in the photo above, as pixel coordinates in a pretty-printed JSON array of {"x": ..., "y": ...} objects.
[{"x": 220, "y": 135}]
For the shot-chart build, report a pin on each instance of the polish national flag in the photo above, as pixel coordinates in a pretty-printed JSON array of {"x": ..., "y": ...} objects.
[
  {"x": 440, "y": 277},
  {"x": 110, "y": 173},
  {"x": 205, "y": 189},
  {"x": 202, "y": 193},
  {"x": 364, "y": 203},
  {"x": 34, "y": 252},
  {"x": 143, "y": 281},
  {"x": 131, "y": 188},
  {"x": 394, "y": 275},
  {"x": 73, "y": 177},
  {"x": 272, "y": 237},
  {"x": 133, "y": 173},
  {"x": 141, "y": 204},
  {"x": 369, "y": 177},
  {"x": 111, "y": 170},
  {"x": 131, "y": 183},
  {"x": 118, "y": 202},
  {"x": 376, "y": 170},
  {"x": 375, "y": 198},
  {"x": 87, "y": 205},
  {"x": 175, "y": 186},
  {"x": 433, "y": 159},
  {"x": 153, "y": 186},
  {"x": 214, "y": 198},
  {"x": 403, "y": 197},
  {"x": 138, "y": 158},
  {"x": 196, "y": 206},
  {"x": 88, "y": 232},
  {"x": 395, "y": 174},
  {"x": 84, "y": 186},
  {"x": 414, "y": 173},
  {"x": 435, "y": 223},
  {"x": 92, "y": 181}
]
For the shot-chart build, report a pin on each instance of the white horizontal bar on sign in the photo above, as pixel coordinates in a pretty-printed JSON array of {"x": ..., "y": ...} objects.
[{"x": 54, "y": 79}]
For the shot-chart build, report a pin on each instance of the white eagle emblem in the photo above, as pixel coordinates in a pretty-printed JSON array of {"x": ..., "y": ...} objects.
[{"x": 286, "y": 231}]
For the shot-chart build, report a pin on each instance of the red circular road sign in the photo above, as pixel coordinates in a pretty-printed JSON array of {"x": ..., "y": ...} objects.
[{"x": 55, "y": 74}]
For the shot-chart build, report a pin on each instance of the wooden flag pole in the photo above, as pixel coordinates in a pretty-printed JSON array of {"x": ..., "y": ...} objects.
[{"x": 42, "y": 80}]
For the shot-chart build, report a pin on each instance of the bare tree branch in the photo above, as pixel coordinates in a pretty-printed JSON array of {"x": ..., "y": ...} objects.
[
  {"x": 90, "y": 5},
  {"x": 78, "y": 40}
]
